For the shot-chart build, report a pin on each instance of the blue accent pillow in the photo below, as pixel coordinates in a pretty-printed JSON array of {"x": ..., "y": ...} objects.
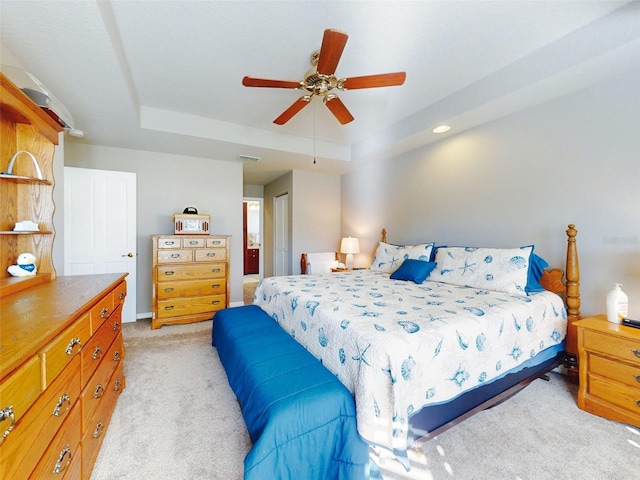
[
  {"x": 415, "y": 270},
  {"x": 536, "y": 267}
]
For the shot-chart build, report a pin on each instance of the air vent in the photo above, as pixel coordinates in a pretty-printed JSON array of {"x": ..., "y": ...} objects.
[{"x": 248, "y": 158}]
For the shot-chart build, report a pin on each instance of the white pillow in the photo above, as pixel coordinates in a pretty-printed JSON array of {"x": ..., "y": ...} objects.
[
  {"x": 499, "y": 269},
  {"x": 389, "y": 257},
  {"x": 419, "y": 252}
]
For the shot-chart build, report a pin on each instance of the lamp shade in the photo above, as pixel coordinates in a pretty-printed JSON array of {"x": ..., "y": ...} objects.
[{"x": 350, "y": 245}]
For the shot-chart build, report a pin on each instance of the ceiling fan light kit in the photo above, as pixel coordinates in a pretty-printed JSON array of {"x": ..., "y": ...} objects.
[{"x": 320, "y": 79}]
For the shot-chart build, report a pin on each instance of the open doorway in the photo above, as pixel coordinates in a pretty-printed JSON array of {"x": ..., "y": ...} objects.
[{"x": 252, "y": 228}]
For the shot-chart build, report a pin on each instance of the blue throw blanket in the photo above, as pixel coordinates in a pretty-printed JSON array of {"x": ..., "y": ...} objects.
[{"x": 301, "y": 419}]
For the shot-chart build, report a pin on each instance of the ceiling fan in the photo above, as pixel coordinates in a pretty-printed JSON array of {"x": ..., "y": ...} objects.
[{"x": 320, "y": 79}]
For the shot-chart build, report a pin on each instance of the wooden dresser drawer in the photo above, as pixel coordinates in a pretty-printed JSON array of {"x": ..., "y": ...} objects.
[
  {"x": 169, "y": 243},
  {"x": 96, "y": 427},
  {"x": 188, "y": 306},
  {"x": 620, "y": 372},
  {"x": 197, "y": 242},
  {"x": 615, "y": 346},
  {"x": 40, "y": 424},
  {"x": 96, "y": 387},
  {"x": 97, "y": 347},
  {"x": 191, "y": 288},
  {"x": 216, "y": 243},
  {"x": 210, "y": 254},
  {"x": 190, "y": 272},
  {"x": 18, "y": 392},
  {"x": 57, "y": 354},
  {"x": 175, "y": 256},
  {"x": 613, "y": 392},
  {"x": 119, "y": 294},
  {"x": 58, "y": 457}
]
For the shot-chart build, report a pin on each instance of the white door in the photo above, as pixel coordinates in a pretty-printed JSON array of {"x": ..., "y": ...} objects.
[
  {"x": 281, "y": 234},
  {"x": 100, "y": 226}
]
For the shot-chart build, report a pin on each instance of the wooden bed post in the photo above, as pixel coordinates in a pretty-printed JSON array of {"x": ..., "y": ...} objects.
[{"x": 573, "y": 296}]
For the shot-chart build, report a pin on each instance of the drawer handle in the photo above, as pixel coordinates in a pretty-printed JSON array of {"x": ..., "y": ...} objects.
[
  {"x": 211, "y": 254},
  {"x": 57, "y": 411},
  {"x": 117, "y": 385},
  {"x": 4, "y": 414},
  {"x": 215, "y": 285},
  {"x": 169, "y": 307},
  {"x": 99, "y": 429},
  {"x": 215, "y": 302},
  {"x": 97, "y": 353},
  {"x": 637, "y": 378},
  {"x": 99, "y": 391},
  {"x": 116, "y": 326},
  {"x": 170, "y": 289},
  {"x": 193, "y": 242},
  {"x": 116, "y": 356},
  {"x": 121, "y": 295},
  {"x": 216, "y": 242},
  {"x": 103, "y": 313},
  {"x": 175, "y": 255},
  {"x": 169, "y": 272},
  {"x": 73, "y": 343},
  {"x": 636, "y": 353},
  {"x": 169, "y": 242},
  {"x": 216, "y": 270},
  {"x": 59, "y": 468}
]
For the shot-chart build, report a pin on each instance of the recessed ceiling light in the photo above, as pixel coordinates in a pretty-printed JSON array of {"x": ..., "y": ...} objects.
[{"x": 441, "y": 129}]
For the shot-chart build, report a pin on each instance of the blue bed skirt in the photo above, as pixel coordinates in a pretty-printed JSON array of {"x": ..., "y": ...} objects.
[{"x": 301, "y": 419}]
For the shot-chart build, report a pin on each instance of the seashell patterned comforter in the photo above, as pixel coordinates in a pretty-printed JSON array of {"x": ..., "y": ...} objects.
[{"x": 398, "y": 346}]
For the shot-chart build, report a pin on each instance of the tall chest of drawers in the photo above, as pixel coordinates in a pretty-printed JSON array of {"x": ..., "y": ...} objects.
[
  {"x": 609, "y": 369},
  {"x": 61, "y": 370},
  {"x": 190, "y": 275}
]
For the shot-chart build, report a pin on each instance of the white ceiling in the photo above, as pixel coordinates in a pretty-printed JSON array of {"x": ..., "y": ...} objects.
[{"x": 166, "y": 75}]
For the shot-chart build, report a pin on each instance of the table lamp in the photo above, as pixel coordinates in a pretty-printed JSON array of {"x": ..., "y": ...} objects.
[{"x": 349, "y": 246}]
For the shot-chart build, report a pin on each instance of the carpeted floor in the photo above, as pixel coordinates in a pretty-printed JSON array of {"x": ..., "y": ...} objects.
[
  {"x": 178, "y": 419},
  {"x": 248, "y": 290}
]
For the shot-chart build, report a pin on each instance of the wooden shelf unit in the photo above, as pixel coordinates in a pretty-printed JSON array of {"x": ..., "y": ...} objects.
[{"x": 23, "y": 196}]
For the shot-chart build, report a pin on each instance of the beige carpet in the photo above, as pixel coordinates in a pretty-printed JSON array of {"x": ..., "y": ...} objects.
[
  {"x": 249, "y": 289},
  {"x": 178, "y": 419}
]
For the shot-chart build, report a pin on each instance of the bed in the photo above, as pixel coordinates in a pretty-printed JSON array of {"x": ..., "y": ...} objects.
[
  {"x": 418, "y": 354},
  {"x": 415, "y": 344}
]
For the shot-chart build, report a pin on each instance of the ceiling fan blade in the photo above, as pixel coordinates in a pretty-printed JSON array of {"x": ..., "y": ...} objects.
[
  {"x": 372, "y": 81},
  {"x": 265, "y": 82},
  {"x": 333, "y": 43},
  {"x": 338, "y": 109},
  {"x": 292, "y": 110}
]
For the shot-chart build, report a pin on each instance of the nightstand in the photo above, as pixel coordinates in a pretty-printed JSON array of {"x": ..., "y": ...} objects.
[{"x": 609, "y": 362}]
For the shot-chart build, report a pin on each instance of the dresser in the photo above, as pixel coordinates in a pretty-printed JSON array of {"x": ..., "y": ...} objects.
[
  {"x": 190, "y": 275},
  {"x": 609, "y": 362},
  {"x": 61, "y": 365}
]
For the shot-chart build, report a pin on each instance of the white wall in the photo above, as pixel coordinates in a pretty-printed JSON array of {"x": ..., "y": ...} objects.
[
  {"x": 520, "y": 180},
  {"x": 316, "y": 214},
  {"x": 166, "y": 184}
]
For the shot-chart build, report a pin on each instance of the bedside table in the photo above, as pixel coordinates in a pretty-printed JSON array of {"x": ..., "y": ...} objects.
[{"x": 609, "y": 362}]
